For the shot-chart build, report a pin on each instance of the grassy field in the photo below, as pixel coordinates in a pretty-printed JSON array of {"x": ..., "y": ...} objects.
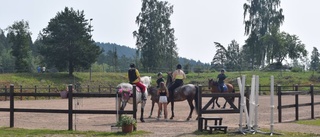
[{"x": 59, "y": 80}]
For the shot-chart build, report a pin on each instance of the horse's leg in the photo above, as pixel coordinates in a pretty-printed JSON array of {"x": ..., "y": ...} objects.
[
  {"x": 225, "y": 103},
  {"x": 172, "y": 109},
  {"x": 152, "y": 105},
  {"x": 217, "y": 102},
  {"x": 143, "y": 103},
  {"x": 191, "y": 108}
]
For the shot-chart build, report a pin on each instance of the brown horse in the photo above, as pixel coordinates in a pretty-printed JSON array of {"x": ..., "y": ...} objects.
[
  {"x": 187, "y": 92},
  {"x": 214, "y": 86}
]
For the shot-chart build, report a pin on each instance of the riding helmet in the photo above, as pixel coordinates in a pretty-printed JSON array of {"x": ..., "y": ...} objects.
[
  {"x": 179, "y": 66},
  {"x": 132, "y": 65},
  {"x": 160, "y": 73}
]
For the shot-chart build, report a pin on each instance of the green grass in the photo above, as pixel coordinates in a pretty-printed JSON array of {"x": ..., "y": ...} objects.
[
  {"x": 19, "y": 132},
  {"x": 313, "y": 122},
  {"x": 60, "y": 80}
]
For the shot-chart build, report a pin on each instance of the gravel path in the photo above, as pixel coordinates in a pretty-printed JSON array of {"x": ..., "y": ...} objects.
[{"x": 176, "y": 127}]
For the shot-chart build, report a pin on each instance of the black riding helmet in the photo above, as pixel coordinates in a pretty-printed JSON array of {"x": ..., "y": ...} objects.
[
  {"x": 222, "y": 70},
  {"x": 179, "y": 66},
  {"x": 132, "y": 65}
]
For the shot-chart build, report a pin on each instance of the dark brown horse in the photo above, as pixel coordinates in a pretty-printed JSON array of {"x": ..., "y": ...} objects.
[
  {"x": 152, "y": 91},
  {"x": 187, "y": 92},
  {"x": 214, "y": 86}
]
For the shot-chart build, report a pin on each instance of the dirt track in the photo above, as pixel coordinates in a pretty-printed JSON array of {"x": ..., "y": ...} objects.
[{"x": 176, "y": 127}]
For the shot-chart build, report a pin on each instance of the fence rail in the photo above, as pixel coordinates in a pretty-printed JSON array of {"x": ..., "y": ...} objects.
[{"x": 70, "y": 111}]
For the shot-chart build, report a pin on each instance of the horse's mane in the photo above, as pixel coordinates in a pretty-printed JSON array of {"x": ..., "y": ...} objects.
[{"x": 146, "y": 80}]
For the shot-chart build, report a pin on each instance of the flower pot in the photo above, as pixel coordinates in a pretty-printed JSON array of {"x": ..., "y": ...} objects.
[{"x": 127, "y": 128}]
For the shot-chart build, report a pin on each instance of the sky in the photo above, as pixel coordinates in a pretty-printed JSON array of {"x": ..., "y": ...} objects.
[{"x": 198, "y": 24}]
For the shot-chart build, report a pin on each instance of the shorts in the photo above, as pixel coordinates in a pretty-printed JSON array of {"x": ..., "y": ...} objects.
[{"x": 163, "y": 99}]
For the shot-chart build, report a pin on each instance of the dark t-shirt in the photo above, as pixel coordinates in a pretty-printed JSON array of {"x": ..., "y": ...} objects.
[
  {"x": 159, "y": 80},
  {"x": 221, "y": 78}
]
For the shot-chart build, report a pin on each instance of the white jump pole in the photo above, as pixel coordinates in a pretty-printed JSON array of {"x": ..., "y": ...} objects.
[
  {"x": 244, "y": 100},
  {"x": 241, "y": 104},
  {"x": 271, "y": 104},
  {"x": 256, "y": 103},
  {"x": 251, "y": 103}
]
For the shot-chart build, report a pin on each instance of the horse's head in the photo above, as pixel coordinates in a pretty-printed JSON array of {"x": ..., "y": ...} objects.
[
  {"x": 169, "y": 78},
  {"x": 146, "y": 80},
  {"x": 212, "y": 83}
]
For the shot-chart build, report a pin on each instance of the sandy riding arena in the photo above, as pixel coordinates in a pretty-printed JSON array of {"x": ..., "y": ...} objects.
[{"x": 176, "y": 127}]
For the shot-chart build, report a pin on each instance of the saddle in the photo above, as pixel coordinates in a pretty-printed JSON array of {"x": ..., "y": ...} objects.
[{"x": 224, "y": 88}]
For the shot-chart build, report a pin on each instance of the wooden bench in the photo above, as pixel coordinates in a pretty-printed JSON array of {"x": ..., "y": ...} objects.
[
  {"x": 204, "y": 122},
  {"x": 217, "y": 128}
]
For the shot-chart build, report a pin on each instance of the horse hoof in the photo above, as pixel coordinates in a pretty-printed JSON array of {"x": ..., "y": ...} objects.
[
  {"x": 149, "y": 117},
  {"x": 142, "y": 120},
  {"x": 188, "y": 119},
  {"x": 171, "y": 118}
]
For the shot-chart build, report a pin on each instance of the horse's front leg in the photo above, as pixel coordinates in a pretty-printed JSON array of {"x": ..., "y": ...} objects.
[
  {"x": 151, "y": 109},
  {"x": 143, "y": 103},
  {"x": 217, "y": 102}
]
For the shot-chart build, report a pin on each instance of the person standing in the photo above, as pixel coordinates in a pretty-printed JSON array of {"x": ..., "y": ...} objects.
[
  {"x": 163, "y": 100},
  {"x": 134, "y": 78},
  {"x": 160, "y": 79},
  {"x": 221, "y": 77},
  {"x": 177, "y": 77}
]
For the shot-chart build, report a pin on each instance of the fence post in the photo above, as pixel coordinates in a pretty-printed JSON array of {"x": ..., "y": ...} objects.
[
  {"x": 279, "y": 103},
  {"x": 312, "y": 101},
  {"x": 70, "y": 104},
  {"x": 35, "y": 91},
  {"x": 49, "y": 90},
  {"x": 20, "y": 91},
  {"x": 134, "y": 104},
  {"x": 296, "y": 102},
  {"x": 88, "y": 88},
  {"x": 11, "y": 105},
  {"x": 99, "y": 89},
  {"x": 5, "y": 91},
  {"x": 200, "y": 124}
]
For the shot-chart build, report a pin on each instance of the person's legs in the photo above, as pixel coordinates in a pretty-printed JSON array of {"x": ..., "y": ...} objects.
[
  {"x": 159, "y": 110},
  {"x": 143, "y": 89}
]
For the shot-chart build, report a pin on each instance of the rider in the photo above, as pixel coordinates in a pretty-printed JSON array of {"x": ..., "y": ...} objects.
[
  {"x": 134, "y": 78},
  {"x": 221, "y": 77},
  {"x": 177, "y": 77},
  {"x": 160, "y": 79}
]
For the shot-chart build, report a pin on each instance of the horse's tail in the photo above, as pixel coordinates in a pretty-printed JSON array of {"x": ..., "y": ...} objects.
[
  {"x": 196, "y": 99},
  {"x": 233, "y": 91}
]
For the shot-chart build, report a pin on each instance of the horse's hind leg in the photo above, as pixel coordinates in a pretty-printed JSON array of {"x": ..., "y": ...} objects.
[
  {"x": 151, "y": 109},
  {"x": 172, "y": 109},
  {"x": 191, "y": 109}
]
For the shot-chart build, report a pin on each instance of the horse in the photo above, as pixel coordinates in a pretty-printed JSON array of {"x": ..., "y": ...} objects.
[
  {"x": 187, "y": 92},
  {"x": 152, "y": 91},
  {"x": 214, "y": 85},
  {"x": 126, "y": 90}
]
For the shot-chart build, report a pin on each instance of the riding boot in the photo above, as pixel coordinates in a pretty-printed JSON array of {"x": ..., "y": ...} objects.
[{"x": 143, "y": 97}]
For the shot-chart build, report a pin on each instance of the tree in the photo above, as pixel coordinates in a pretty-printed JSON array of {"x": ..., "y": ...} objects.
[
  {"x": 233, "y": 56},
  {"x": 315, "y": 61},
  {"x": 260, "y": 16},
  {"x": 67, "y": 41},
  {"x": 155, "y": 39},
  {"x": 220, "y": 57},
  {"x": 19, "y": 37}
]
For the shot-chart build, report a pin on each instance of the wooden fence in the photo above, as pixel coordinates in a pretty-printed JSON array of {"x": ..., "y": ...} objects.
[
  {"x": 296, "y": 105},
  {"x": 70, "y": 111}
]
